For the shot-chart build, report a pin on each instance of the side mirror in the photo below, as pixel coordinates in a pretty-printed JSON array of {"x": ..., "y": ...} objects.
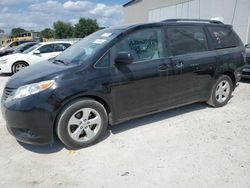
[
  {"x": 123, "y": 58},
  {"x": 37, "y": 52}
]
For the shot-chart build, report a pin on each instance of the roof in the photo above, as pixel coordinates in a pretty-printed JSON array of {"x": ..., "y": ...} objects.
[
  {"x": 52, "y": 42},
  {"x": 131, "y": 2}
]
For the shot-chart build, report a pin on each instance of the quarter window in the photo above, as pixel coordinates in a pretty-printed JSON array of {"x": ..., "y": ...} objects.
[
  {"x": 143, "y": 45},
  {"x": 104, "y": 61},
  {"x": 187, "y": 39},
  {"x": 223, "y": 37}
]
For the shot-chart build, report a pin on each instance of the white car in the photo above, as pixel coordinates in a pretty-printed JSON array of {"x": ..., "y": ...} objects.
[{"x": 40, "y": 52}]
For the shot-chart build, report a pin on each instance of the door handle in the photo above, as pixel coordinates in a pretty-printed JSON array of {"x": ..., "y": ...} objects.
[
  {"x": 179, "y": 64},
  {"x": 163, "y": 67}
]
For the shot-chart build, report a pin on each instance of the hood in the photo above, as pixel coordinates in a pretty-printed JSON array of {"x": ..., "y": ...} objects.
[
  {"x": 39, "y": 72},
  {"x": 11, "y": 56}
]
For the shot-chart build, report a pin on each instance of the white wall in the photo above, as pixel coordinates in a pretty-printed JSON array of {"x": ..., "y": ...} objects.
[{"x": 209, "y": 9}]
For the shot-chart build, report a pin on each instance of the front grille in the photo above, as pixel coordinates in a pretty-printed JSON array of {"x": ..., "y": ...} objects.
[{"x": 7, "y": 92}]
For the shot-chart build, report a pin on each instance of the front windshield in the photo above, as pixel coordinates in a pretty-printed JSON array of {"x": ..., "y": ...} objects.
[
  {"x": 32, "y": 48},
  {"x": 19, "y": 47},
  {"x": 85, "y": 48}
]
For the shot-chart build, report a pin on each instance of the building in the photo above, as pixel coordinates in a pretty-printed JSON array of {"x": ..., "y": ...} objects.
[
  {"x": 234, "y": 12},
  {"x": 35, "y": 36},
  {"x": 4, "y": 39}
]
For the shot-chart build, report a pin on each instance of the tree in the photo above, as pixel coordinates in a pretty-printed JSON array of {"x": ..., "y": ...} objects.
[
  {"x": 1, "y": 31},
  {"x": 17, "y": 31},
  {"x": 84, "y": 27},
  {"x": 47, "y": 33},
  {"x": 63, "y": 30}
]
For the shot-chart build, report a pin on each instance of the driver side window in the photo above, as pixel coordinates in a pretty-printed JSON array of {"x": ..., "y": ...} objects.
[
  {"x": 47, "y": 48},
  {"x": 143, "y": 45}
]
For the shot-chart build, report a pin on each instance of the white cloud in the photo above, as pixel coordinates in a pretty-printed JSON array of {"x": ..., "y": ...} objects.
[
  {"x": 107, "y": 11},
  {"x": 12, "y": 2},
  {"x": 107, "y": 14},
  {"x": 46, "y": 6},
  {"x": 39, "y": 15},
  {"x": 77, "y": 5},
  {"x": 5, "y": 9}
]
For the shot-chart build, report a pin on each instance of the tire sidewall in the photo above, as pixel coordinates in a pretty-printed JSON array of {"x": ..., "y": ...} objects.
[
  {"x": 15, "y": 64},
  {"x": 220, "y": 79},
  {"x": 68, "y": 111}
]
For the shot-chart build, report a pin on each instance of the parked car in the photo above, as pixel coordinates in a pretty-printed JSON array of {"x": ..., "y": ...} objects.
[
  {"x": 14, "y": 44},
  {"x": 121, "y": 73},
  {"x": 19, "y": 49},
  {"x": 40, "y": 52},
  {"x": 246, "y": 69}
]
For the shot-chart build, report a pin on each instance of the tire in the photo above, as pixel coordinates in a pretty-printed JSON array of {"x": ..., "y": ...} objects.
[
  {"x": 82, "y": 123},
  {"x": 18, "y": 66},
  {"x": 221, "y": 92}
]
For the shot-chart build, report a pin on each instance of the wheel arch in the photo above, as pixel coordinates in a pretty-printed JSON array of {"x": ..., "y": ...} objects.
[
  {"x": 19, "y": 61},
  {"x": 99, "y": 99},
  {"x": 232, "y": 76}
]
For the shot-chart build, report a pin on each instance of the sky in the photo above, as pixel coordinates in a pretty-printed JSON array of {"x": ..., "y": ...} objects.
[{"x": 39, "y": 14}]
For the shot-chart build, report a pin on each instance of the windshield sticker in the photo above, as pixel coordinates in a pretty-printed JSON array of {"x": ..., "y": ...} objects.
[
  {"x": 99, "y": 41},
  {"x": 107, "y": 35}
]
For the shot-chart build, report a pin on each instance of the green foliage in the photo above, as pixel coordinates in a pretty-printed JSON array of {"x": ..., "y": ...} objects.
[
  {"x": 84, "y": 27},
  {"x": 1, "y": 31},
  {"x": 47, "y": 33},
  {"x": 63, "y": 30},
  {"x": 17, "y": 31}
]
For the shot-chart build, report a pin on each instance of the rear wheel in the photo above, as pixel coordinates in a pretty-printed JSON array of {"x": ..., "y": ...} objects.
[
  {"x": 82, "y": 123},
  {"x": 221, "y": 92},
  {"x": 19, "y": 66}
]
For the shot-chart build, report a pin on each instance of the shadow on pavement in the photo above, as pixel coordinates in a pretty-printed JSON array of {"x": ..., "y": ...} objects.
[
  {"x": 53, "y": 148},
  {"x": 244, "y": 80},
  {"x": 44, "y": 149},
  {"x": 6, "y": 75},
  {"x": 116, "y": 129}
]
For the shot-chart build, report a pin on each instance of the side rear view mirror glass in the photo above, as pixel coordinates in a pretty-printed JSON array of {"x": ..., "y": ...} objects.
[
  {"x": 123, "y": 58},
  {"x": 37, "y": 52}
]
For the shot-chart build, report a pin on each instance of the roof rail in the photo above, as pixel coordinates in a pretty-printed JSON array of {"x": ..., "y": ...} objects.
[{"x": 194, "y": 20}]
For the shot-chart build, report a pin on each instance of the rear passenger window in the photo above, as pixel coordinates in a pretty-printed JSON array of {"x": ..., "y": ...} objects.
[
  {"x": 223, "y": 37},
  {"x": 186, "y": 39}
]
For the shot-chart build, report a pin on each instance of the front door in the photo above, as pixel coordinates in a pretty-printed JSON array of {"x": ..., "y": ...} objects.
[
  {"x": 144, "y": 85},
  {"x": 46, "y": 52}
]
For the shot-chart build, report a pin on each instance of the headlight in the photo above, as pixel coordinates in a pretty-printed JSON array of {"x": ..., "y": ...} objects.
[
  {"x": 4, "y": 61},
  {"x": 31, "y": 89}
]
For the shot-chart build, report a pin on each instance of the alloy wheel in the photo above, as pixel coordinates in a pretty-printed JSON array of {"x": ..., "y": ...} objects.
[
  {"x": 84, "y": 124},
  {"x": 222, "y": 91},
  {"x": 19, "y": 67}
]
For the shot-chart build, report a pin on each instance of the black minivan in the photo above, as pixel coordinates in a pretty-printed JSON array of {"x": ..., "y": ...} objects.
[{"x": 121, "y": 73}]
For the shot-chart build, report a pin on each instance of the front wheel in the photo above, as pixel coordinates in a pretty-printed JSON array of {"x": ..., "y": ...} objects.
[
  {"x": 221, "y": 91},
  {"x": 19, "y": 66},
  {"x": 82, "y": 123}
]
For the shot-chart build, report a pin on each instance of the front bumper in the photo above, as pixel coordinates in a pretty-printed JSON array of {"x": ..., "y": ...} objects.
[
  {"x": 29, "y": 120},
  {"x": 5, "y": 68},
  {"x": 246, "y": 72}
]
